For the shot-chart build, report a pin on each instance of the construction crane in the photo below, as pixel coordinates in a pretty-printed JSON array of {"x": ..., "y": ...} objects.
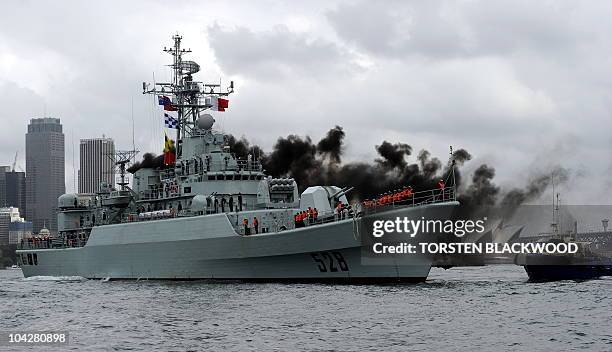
[
  {"x": 15, "y": 160},
  {"x": 15, "y": 163}
]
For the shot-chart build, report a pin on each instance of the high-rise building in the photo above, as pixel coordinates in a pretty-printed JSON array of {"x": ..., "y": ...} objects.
[
  {"x": 16, "y": 190},
  {"x": 19, "y": 230},
  {"x": 45, "y": 172},
  {"x": 7, "y": 215},
  {"x": 96, "y": 164},
  {"x": 3, "y": 171},
  {"x": 13, "y": 228}
]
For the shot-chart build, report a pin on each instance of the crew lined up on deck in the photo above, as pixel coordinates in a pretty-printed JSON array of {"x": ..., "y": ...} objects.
[
  {"x": 212, "y": 203},
  {"x": 47, "y": 241},
  {"x": 311, "y": 214},
  {"x": 389, "y": 198},
  {"x": 399, "y": 196},
  {"x": 37, "y": 242}
]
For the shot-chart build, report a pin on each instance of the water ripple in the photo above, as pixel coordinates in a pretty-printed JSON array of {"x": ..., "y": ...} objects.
[{"x": 483, "y": 308}]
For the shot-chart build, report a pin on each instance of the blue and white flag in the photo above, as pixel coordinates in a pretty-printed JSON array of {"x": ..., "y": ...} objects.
[{"x": 170, "y": 121}]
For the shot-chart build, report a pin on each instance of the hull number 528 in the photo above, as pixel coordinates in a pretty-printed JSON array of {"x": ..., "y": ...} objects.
[{"x": 330, "y": 261}]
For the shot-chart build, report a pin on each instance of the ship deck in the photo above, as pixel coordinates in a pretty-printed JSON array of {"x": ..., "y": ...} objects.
[{"x": 358, "y": 210}]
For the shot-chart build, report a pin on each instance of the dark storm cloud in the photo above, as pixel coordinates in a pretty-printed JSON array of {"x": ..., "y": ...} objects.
[
  {"x": 16, "y": 101},
  {"x": 275, "y": 53},
  {"x": 504, "y": 79},
  {"x": 444, "y": 29}
]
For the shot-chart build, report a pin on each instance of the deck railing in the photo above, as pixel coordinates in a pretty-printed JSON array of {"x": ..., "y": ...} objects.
[
  {"x": 419, "y": 198},
  {"x": 357, "y": 210},
  {"x": 52, "y": 243}
]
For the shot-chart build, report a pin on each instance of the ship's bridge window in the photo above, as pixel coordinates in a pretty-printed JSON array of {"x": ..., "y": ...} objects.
[
  {"x": 253, "y": 177},
  {"x": 245, "y": 177},
  {"x": 35, "y": 258},
  {"x": 187, "y": 190},
  {"x": 24, "y": 259},
  {"x": 29, "y": 258},
  {"x": 211, "y": 177},
  {"x": 219, "y": 177}
]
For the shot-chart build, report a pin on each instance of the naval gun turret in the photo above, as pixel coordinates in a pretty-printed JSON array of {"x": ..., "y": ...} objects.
[{"x": 323, "y": 198}]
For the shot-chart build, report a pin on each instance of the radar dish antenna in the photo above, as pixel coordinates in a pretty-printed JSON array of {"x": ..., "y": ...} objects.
[{"x": 189, "y": 67}]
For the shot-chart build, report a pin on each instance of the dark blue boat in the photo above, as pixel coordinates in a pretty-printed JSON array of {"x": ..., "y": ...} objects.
[
  {"x": 539, "y": 273},
  {"x": 583, "y": 265}
]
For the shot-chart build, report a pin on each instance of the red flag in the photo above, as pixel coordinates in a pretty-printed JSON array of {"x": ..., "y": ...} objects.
[
  {"x": 218, "y": 104},
  {"x": 222, "y": 104},
  {"x": 170, "y": 107}
]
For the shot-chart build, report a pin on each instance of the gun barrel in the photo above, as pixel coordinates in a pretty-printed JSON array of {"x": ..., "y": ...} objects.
[{"x": 342, "y": 192}]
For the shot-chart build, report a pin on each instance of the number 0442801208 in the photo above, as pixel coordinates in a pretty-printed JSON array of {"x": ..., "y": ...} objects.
[{"x": 330, "y": 261}]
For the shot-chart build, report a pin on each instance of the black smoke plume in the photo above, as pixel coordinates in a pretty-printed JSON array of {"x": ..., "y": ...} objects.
[
  {"x": 149, "y": 161},
  {"x": 331, "y": 146},
  {"x": 320, "y": 163},
  {"x": 535, "y": 188},
  {"x": 429, "y": 167},
  {"x": 481, "y": 194},
  {"x": 393, "y": 155},
  {"x": 242, "y": 148},
  {"x": 296, "y": 157}
]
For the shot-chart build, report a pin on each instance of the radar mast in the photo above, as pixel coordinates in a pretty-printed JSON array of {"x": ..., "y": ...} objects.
[
  {"x": 120, "y": 158},
  {"x": 188, "y": 97}
]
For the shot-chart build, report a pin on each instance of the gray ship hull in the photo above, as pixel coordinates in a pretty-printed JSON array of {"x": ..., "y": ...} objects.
[{"x": 208, "y": 247}]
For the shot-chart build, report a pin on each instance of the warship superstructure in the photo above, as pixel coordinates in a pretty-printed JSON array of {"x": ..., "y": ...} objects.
[{"x": 205, "y": 214}]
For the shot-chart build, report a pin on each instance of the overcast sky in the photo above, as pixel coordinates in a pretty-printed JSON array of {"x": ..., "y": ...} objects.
[{"x": 522, "y": 85}]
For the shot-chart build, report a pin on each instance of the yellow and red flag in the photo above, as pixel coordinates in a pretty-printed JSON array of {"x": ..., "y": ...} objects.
[{"x": 169, "y": 151}]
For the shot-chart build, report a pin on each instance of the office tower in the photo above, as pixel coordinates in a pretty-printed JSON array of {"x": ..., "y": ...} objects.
[
  {"x": 19, "y": 230},
  {"x": 16, "y": 190},
  {"x": 96, "y": 164},
  {"x": 7, "y": 215},
  {"x": 45, "y": 172},
  {"x": 13, "y": 228},
  {"x": 3, "y": 171}
]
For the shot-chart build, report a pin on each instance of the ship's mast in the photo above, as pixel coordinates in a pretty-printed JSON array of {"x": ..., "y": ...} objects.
[
  {"x": 188, "y": 97},
  {"x": 120, "y": 159},
  {"x": 177, "y": 54}
]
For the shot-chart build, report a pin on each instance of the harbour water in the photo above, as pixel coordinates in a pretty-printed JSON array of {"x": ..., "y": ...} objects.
[{"x": 490, "y": 308}]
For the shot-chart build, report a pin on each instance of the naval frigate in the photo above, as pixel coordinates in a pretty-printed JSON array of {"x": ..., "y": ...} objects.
[{"x": 203, "y": 213}]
